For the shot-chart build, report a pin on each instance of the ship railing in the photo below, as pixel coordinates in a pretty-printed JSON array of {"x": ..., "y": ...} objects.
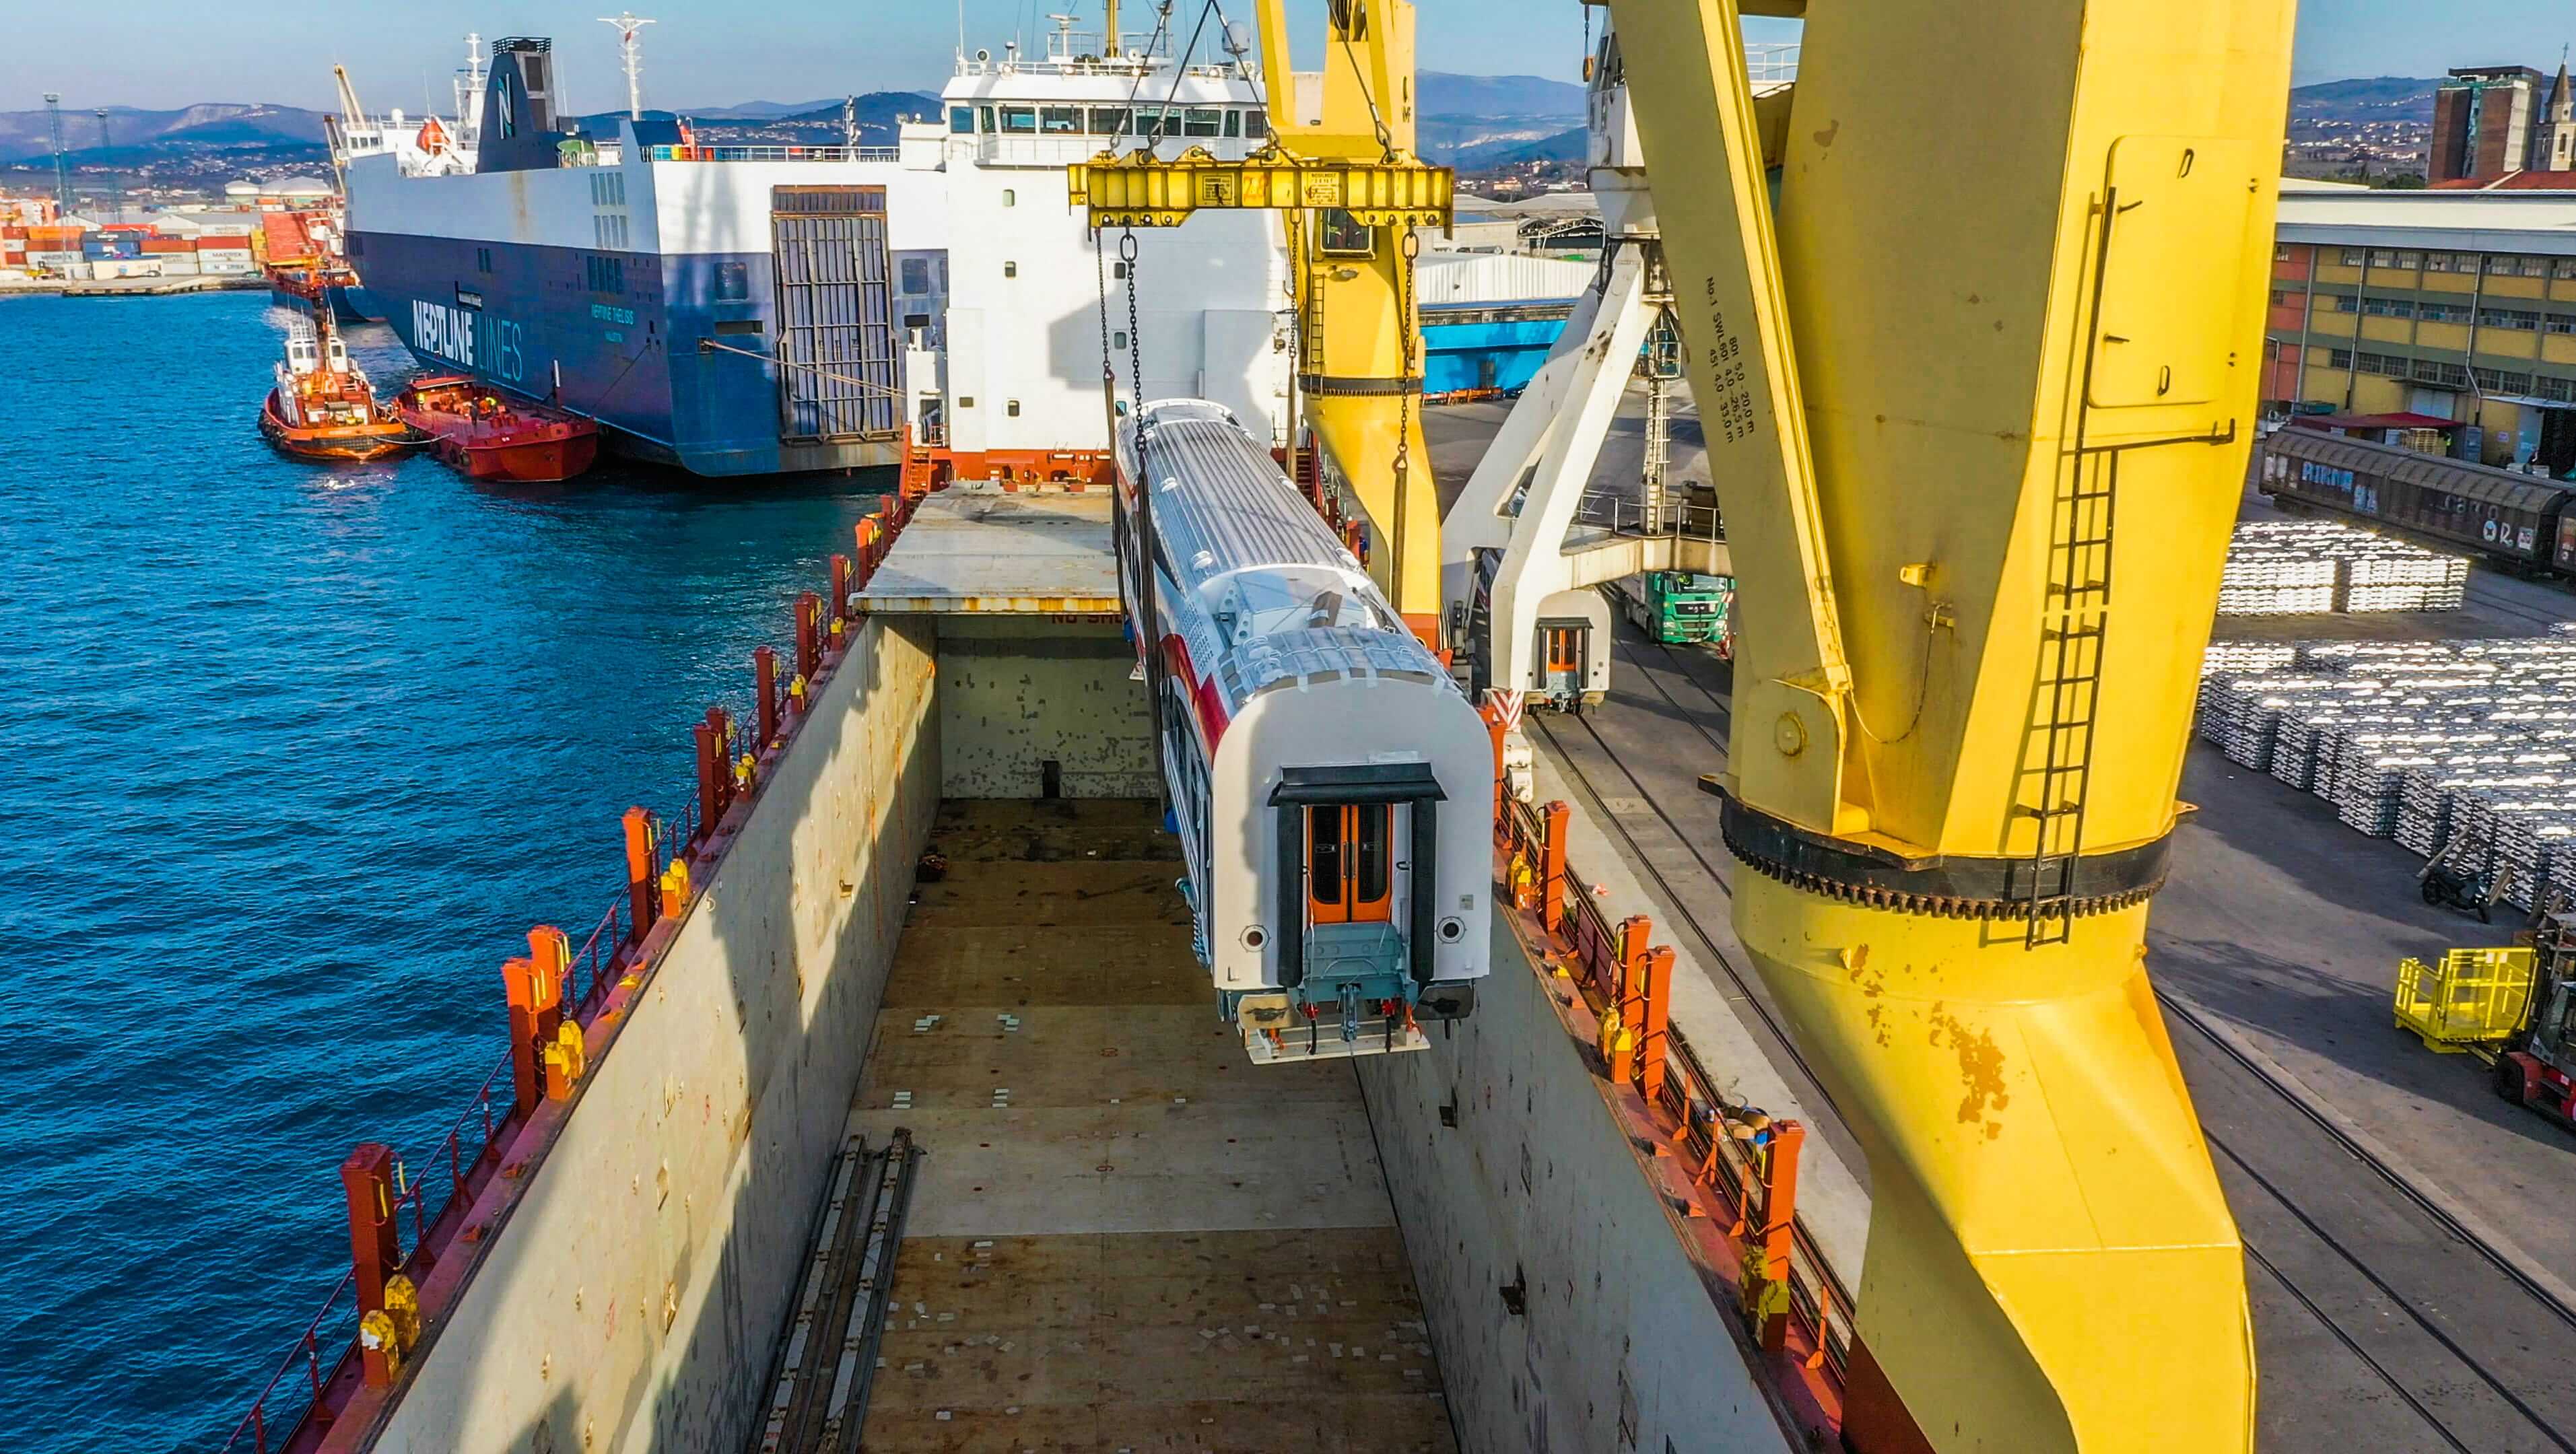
[
  {"x": 429, "y": 1205},
  {"x": 294, "y": 1395},
  {"x": 1624, "y": 515},
  {"x": 1771, "y": 65},
  {"x": 775, "y": 153},
  {"x": 428, "y": 1209},
  {"x": 430, "y": 1202},
  {"x": 1751, "y": 1181}
]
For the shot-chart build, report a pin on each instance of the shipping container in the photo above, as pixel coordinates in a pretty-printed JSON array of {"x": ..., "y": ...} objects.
[{"x": 167, "y": 245}]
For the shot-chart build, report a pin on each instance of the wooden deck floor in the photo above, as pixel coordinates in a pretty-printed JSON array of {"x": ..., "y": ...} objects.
[{"x": 1125, "y": 1237}]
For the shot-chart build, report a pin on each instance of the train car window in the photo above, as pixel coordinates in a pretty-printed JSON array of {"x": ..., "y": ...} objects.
[
  {"x": 1371, "y": 872},
  {"x": 1324, "y": 854}
]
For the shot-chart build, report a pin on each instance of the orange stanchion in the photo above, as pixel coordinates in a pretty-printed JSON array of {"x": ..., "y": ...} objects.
[
  {"x": 809, "y": 635},
  {"x": 535, "y": 989},
  {"x": 639, "y": 873},
  {"x": 374, "y": 1251},
  {"x": 840, "y": 589},
  {"x": 764, "y": 674},
  {"x": 1551, "y": 881},
  {"x": 1779, "y": 1232},
  {"x": 1654, "y": 1018}
]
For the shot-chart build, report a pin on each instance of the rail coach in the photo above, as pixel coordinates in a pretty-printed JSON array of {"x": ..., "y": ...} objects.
[
  {"x": 1332, "y": 788},
  {"x": 2527, "y": 521}
]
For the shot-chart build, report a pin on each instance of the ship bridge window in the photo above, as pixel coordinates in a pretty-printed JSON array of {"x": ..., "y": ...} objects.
[
  {"x": 1021, "y": 120},
  {"x": 1060, "y": 120},
  {"x": 1154, "y": 124},
  {"x": 1256, "y": 123},
  {"x": 1342, "y": 235},
  {"x": 916, "y": 275},
  {"x": 1233, "y": 122},
  {"x": 1108, "y": 120},
  {"x": 1201, "y": 121},
  {"x": 961, "y": 120},
  {"x": 987, "y": 112}
]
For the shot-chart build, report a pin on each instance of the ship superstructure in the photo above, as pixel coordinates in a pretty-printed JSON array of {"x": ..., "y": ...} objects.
[{"x": 742, "y": 310}]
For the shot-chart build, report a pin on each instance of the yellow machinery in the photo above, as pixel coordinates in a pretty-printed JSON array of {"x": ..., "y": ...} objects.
[
  {"x": 1351, "y": 190},
  {"x": 1977, "y": 403},
  {"x": 2472, "y": 999}
]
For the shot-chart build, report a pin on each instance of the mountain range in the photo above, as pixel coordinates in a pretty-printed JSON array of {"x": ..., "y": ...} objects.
[{"x": 1474, "y": 123}]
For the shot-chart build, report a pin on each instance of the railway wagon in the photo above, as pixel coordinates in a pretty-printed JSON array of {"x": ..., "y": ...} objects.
[
  {"x": 2522, "y": 520},
  {"x": 1332, "y": 788}
]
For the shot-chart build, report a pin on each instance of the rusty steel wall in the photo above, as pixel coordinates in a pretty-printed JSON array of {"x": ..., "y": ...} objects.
[
  {"x": 632, "y": 1298},
  {"x": 1618, "y": 1347},
  {"x": 1016, "y": 693}
]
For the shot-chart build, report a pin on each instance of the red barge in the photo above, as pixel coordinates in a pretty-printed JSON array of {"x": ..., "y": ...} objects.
[{"x": 493, "y": 438}]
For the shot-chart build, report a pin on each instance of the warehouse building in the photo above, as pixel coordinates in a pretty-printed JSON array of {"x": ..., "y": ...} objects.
[{"x": 2453, "y": 312}]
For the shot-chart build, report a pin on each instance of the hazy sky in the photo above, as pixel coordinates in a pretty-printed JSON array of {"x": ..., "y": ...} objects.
[{"x": 163, "y": 53}]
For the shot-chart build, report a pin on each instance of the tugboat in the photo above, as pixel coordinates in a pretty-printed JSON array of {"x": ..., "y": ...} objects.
[
  {"x": 323, "y": 409},
  {"x": 493, "y": 438}
]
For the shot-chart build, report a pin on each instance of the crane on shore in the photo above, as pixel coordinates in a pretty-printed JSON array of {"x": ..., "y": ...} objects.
[
  {"x": 1977, "y": 393},
  {"x": 1977, "y": 403}
]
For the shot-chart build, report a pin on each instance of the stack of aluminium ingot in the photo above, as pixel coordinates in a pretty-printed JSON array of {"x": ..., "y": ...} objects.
[
  {"x": 2304, "y": 567},
  {"x": 2465, "y": 749}
]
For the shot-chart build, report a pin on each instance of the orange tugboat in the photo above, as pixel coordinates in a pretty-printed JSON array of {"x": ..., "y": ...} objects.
[
  {"x": 493, "y": 438},
  {"x": 323, "y": 409}
]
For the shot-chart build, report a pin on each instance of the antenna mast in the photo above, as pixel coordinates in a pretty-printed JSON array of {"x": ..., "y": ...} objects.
[
  {"x": 628, "y": 28},
  {"x": 1109, "y": 22},
  {"x": 107, "y": 159},
  {"x": 62, "y": 160}
]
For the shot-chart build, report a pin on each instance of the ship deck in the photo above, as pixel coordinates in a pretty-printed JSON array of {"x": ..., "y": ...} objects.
[{"x": 1122, "y": 1235}]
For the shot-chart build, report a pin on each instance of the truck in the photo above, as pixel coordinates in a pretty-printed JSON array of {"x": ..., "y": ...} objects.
[{"x": 1675, "y": 607}]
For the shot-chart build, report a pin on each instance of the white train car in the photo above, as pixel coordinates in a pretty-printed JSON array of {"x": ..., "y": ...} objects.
[{"x": 1332, "y": 787}]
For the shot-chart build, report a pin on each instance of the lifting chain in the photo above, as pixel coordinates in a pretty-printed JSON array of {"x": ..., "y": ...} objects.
[
  {"x": 1409, "y": 334},
  {"x": 1135, "y": 335}
]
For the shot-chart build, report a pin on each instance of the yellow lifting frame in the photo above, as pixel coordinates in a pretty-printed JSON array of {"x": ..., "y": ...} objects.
[
  {"x": 1140, "y": 189},
  {"x": 1360, "y": 347}
]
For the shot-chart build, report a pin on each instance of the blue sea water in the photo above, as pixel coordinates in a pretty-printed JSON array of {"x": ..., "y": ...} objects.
[{"x": 291, "y": 757}]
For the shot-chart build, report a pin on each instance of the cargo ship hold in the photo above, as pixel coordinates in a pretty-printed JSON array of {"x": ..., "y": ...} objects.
[
  {"x": 1112, "y": 990},
  {"x": 752, "y": 310}
]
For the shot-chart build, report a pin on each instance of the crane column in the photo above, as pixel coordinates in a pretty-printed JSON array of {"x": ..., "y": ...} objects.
[{"x": 1977, "y": 408}]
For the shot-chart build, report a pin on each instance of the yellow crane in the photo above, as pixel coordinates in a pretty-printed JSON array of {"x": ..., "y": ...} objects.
[
  {"x": 1977, "y": 401},
  {"x": 1343, "y": 174}
]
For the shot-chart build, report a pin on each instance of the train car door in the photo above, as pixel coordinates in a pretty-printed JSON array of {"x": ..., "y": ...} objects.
[
  {"x": 1561, "y": 678},
  {"x": 1350, "y": 863}
]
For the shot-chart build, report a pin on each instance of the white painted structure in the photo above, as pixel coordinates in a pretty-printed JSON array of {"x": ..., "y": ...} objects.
[
  {"x": 1528, "y": 489},
  {"x": 996, "y": 277}
]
